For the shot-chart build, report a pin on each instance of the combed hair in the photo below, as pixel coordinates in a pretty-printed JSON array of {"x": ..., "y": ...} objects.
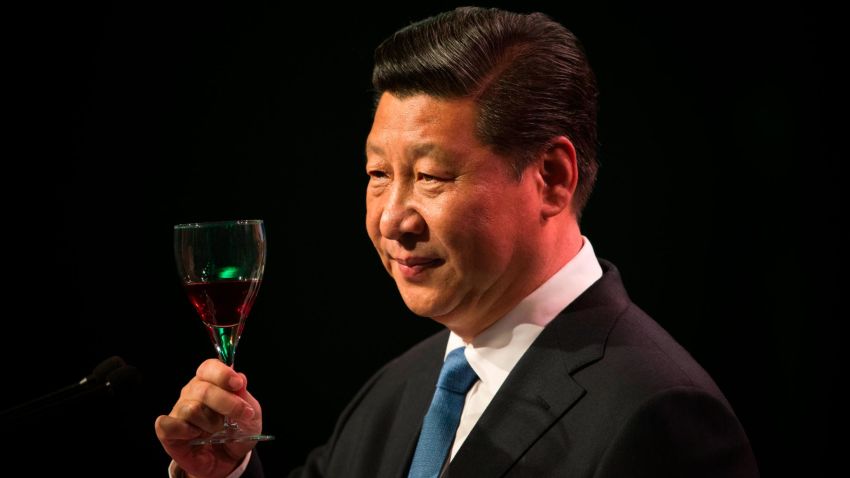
[{"x": 528, "y": 75}]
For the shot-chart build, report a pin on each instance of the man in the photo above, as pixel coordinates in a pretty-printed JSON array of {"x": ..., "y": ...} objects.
[{"x": 480, "y": 159}]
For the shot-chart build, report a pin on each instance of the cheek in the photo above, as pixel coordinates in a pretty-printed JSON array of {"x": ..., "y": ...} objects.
[
  {"x": 469, "y": 231},
  {"x": 373, "y": 220},
  {"x": 484, "y": 234}
]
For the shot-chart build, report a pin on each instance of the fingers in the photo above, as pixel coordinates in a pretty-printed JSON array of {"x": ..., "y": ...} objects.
[
  {"x": 197, "y": 415},
  {"x": 205, "y": 405},
  {"x": 171, "y": 429},
  {"x": 216, "y": 391},
  {"x": 216, "y": 372}
]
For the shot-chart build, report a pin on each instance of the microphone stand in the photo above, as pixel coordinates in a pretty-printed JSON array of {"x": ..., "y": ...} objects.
[{"x": 103, "y": 379}]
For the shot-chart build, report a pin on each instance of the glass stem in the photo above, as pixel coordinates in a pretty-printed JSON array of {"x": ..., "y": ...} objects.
[
  {"x": 226, "y": 347},
  {"x": 226, "y": 339},
  {"x": 230, "y": 425}
]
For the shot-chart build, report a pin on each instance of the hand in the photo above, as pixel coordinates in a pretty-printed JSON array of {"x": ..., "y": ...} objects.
[{"x": 216, "y": 391}]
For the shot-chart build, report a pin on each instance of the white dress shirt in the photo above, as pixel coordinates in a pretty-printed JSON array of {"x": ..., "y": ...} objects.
[{"x": 495, "y": 351}]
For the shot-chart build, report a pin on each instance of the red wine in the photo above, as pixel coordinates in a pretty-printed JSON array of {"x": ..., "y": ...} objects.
[{"x": 223, "y": 303}]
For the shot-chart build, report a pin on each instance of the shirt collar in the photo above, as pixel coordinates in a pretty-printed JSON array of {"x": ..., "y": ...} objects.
[{"x": 494, "y": 352}]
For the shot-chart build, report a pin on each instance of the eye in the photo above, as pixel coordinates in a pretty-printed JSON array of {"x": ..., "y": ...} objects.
[
  {"x": 428, "y": 178},
  {"x": 376, "y": 174}
]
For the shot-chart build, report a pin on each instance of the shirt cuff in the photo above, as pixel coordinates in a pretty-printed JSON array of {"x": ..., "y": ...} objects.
[{"x": 175, "y": 472}]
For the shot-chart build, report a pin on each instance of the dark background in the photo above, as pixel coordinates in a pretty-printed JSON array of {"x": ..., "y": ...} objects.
[{"x": 718, "y": 198}]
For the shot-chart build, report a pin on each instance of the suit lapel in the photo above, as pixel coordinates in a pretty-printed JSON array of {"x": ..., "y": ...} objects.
[
  {"x": 535, "y": 394},
  {"x": 540, "y": 389},
  {"x": 413, "y": 405}
]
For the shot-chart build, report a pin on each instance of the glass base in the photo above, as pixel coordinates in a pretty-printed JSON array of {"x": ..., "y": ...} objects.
[{"x": 230, "y": 436}]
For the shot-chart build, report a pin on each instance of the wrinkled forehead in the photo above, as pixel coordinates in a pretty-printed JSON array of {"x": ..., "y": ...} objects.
[{"x": 421, "y": 123}]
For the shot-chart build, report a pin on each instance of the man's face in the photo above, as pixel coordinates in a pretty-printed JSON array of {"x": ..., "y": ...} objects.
[{"x": 450, "y": 221}]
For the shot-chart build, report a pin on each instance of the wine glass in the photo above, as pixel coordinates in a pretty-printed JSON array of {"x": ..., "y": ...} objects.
[{"x": 221, "y": 265}]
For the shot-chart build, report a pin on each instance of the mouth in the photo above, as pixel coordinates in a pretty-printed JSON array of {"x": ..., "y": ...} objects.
[{"x": 416, "y": 267}]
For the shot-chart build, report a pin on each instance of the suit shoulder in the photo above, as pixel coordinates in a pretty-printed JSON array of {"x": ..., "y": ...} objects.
[
  {"x": 420, "y": 358},
  {"x": 641, "y": 359},
  {"x": 425, "y": 355}
]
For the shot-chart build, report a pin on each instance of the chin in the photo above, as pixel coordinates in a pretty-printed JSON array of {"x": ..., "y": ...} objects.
[
  {"x": 418, "y": 306},
  {"x": 424, "y": 306}
]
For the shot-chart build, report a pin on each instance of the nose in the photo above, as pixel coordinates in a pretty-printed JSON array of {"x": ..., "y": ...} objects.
[{"x": 400, "y": 219}]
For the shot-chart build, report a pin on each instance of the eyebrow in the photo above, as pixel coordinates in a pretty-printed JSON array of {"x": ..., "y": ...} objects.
[
  {"x": 414, "y": 151},
  {"x": 371, "y": 148},
  {"x": 423, "y": 149}
]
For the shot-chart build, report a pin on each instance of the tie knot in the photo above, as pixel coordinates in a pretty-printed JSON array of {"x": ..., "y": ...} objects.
[{"x": 456, "y": 376}]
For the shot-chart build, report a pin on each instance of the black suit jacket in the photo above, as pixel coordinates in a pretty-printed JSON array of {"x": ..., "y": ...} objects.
[{"x": 604, "y": 391}]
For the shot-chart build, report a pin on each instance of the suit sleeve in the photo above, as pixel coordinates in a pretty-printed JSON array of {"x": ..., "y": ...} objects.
[
  {"x": 313, "y": 467},
  {"x": 680, "y": 432},
  {"x": 254, "y": 468}
]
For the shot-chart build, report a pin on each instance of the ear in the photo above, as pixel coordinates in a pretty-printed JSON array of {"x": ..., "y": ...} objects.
[{"x": 558, "y": 169}]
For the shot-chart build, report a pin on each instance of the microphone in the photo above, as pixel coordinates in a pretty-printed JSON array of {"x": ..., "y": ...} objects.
[{"x": 111, "y": 377}]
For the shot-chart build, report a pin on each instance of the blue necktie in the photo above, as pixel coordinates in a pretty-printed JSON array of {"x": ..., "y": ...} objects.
[{"x": 440, "y": 425}]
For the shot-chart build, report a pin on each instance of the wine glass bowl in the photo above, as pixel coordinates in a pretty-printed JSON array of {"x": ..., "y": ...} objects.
[{"x": 221, "y": 265}]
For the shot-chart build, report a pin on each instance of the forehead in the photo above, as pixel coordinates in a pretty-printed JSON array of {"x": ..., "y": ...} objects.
[{"x": 422, "y": 119}]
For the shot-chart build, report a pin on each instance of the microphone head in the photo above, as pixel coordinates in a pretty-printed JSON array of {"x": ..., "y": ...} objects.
[
  {"x": 123, "y": 381},
  {"x": 103, "y": 369}
]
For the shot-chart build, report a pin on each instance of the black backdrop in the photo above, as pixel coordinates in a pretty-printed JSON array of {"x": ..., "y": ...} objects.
[{"x": 718, "y": 198}]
